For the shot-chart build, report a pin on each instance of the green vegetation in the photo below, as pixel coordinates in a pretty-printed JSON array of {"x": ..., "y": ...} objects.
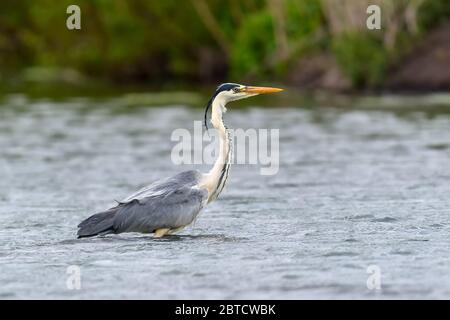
[
  {"x": 137, "y": 41},
  {"x": 362, "y": 58}
]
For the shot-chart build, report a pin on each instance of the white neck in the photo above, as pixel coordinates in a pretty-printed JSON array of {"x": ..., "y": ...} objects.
[{"x": 215, "y": 179}]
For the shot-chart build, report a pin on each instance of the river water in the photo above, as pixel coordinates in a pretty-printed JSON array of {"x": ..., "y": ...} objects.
[{"x": 360, "y": 196}]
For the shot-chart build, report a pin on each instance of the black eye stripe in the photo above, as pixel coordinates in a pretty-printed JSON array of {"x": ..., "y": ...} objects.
[{"x": 226, "y": 87}]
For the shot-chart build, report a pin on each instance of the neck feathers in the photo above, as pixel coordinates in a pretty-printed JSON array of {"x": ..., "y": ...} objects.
[
  {"x": 220, "y": 173},
  {"x": 214, "y": 181}
]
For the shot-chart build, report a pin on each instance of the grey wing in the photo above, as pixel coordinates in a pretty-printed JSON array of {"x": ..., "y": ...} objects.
[
  {"x": 174, "y": 209},
  {"x": 164, "y": 186}
]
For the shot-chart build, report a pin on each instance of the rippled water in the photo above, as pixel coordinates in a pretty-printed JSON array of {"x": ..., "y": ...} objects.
[{"x": 354, "y": 189}]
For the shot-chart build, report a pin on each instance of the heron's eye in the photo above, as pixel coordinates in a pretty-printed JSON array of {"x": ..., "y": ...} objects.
[{"x": 236, "y": 90}]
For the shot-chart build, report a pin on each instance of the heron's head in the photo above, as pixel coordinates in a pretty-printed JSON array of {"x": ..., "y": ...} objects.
[
  {"x": 228, "y": 92},
  {"x": 233, "y": 91}
]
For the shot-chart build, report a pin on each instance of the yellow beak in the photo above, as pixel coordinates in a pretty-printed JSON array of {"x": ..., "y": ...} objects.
[{"x": 261, "y": 90}]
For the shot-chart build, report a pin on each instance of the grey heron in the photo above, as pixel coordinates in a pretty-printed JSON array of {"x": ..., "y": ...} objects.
[{"x": 169, "y": 205}]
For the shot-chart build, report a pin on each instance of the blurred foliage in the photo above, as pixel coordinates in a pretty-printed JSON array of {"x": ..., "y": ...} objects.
[
  {"x": 206, "y": 40},
  {"x": 255, "y": 48},
  {"x": 433, "y": 13},
  {"x": 252, "y": 46},
  {"x": 362, "y": 58}
]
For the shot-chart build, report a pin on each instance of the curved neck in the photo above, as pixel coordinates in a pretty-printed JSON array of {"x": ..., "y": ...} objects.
[{"x": 214, "y": 181}]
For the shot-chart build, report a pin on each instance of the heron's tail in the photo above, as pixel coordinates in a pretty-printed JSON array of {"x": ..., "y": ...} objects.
[{"x": 99, "y": 223}]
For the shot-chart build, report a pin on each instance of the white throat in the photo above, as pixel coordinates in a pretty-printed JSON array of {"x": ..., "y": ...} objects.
[{"x": 214, "y": 181}]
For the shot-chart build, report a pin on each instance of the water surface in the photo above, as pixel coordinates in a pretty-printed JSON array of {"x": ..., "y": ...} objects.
[{"x": 355, "y": 188}]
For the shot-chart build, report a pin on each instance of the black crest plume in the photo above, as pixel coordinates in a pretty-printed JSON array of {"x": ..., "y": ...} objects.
[{"x": 222, "y": 87}]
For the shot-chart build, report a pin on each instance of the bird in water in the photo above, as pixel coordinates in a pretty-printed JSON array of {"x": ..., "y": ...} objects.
[{"x": 168, "y": 205}]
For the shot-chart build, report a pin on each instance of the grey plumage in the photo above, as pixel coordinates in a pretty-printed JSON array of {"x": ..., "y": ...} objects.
[
  {"x": 97, "y": 224},
  {"x": 170, "y": 203}
]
